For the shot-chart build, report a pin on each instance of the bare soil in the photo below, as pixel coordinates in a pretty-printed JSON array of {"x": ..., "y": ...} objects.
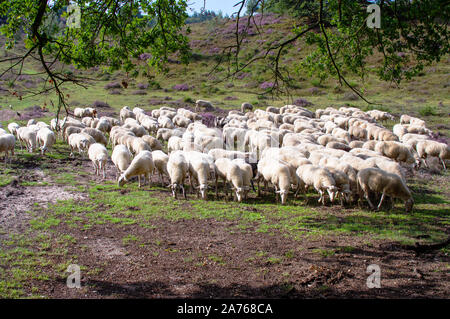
[{"x": 191, "y": 258}]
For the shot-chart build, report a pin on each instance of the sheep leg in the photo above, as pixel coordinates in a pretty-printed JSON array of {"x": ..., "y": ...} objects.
[
  {"x": 443, "y": 163},
  {"x": 139, "y": 181},
  {"x": 381, "y": 201},
  {"x": 217, "y": 186},
  {"x": 366, "y": 195}
]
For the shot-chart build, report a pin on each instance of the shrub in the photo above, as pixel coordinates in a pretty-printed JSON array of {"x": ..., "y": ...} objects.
[
  {"x": 302, "y": 102},
  {"x": 266, "y": 85},
  {"x": 208, "y": 119},
  {"x": 115, "y": 92},
  {"x": 113, "y": 85},
  {"x": 188, "y": 99},
  {"x": 181, "y": 87},
  {"x": 142, "y": 86},
  {"x": 427, "y": 111},
  {"x": 100, "y": 104}
]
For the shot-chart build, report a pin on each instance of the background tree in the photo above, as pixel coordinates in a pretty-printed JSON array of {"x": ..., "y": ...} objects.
[
  {"x": 412, "y": 34},
  {"x": 111, "y": 33}
]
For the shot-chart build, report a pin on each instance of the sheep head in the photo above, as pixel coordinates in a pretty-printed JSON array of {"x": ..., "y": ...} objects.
[
  {"x": 122, "y": 180},
  {"x": 332, "y": 191}
]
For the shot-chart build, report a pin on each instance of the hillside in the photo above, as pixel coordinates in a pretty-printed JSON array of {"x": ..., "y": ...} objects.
[{"x": 426, "y": 95}]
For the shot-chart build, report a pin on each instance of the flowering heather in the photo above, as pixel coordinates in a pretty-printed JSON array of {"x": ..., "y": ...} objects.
[
  {"x": 181, "y": 87},
  {"x": 100, "y": 104},
  {"x": 142, "y": 86},
  {"x": 230, "y": 98},
  {"x": 208, "y": 119},
  {"x": 302, "y": 102},
  {"x": 145, "y": 56},
  {"x": 266, "y": 85},
  {"x": 229, "y": 85},
  {"x": 243, "y": 75},
  {"x": 113, "y": 85},
  {"x": 139, "y": 92},
  {"x": 214, "y": 50}
]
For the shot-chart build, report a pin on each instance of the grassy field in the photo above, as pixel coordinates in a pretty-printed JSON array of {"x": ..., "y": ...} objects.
[{"x": 132, "y": 242}]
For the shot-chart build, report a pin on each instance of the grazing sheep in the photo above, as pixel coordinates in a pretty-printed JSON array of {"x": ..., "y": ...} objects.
[
  {"x": 152, "y": 142},
  {"x": 7, "y": 142},
  {"x": 104, "y": 125},
  {"x": 160, "y": 159},
  {"x": 98, "y": 136},
  {"x": 279, "y": 174},
  {"x": 338, "y": 146},
  {"x": 320, "y": 178},
  {"x": 199, "y": 170},
  {"x": 125, "y": 113},
  {"x": 175, "y": 143},
  {"x": 247, "y": 175},
  {"x": 356, "y": 144},
  {"x": 80, "y": 142},
  {"x": 433, "y": 149},
  {"x": 342, "y": 183},
  {"x": 178, "y": 169},
  {"x": 246, "y": 106},
  {"x": 396, "y": 151},
  {"x": 121, "y": 157},
  {"x": 379, "y": 181},
  {"x": 45, "y": 138},
  {"x": 27, "y": 136},
  {"x": 142, "y": 164},
  {"x": 230, "y": 173},
  {"x": 99, "y": 156},
  {"x": 165, "y": 133},
  {"x": 358, "y": 133}
]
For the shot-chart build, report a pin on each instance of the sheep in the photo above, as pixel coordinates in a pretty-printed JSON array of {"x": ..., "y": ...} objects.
[
  {"x": 342, "y": 183},
  {"x": 27, "y": 136},
  {"x": 406, "y": 119},
  {"x": 399, "y": 130},
  {"x": 230, "y": 173},
  {"x": 137, "y": 129},
  {"x": 356, "y": 144},
  {"x": 278, "y": 173},
  {"x": 181, "y": 121},
  {"x": 320, "y": 178},
  {"x": 433, "y": 148},
  {"x": 370, "y": 145},
  {"x": 175, "y": 143},
  {"x": 12, "y": 128},
  {"x": 199, "y": 170},
  {"x": 160, "y": 159},
  {"x": 247, "y": 175},
  {"x": 165, "y": 122},
  {"x": 246, "y": 106},
  {"x": 7, "y": 142},
  {"x": 417, "y": 129},
  {"x": 121, "y": 157},
  {"x": 396, "y": 151},
  {"x": 31, "y": 122},
  {"x": 154, "y": 144},
  {"x": 45, "y": 138},
  {"x": 338, "y": 146},
  {"x": 206, "y": 105},
  {"x": 125, "y": 113},
  {"x": 71, "y": 130},
  {"x": 142, "y": 164},
  {"x": 273, "y": 109},
  {"x": 99, "y": 156},
  {"x": 98, "y": 136},
  {"x": 103, "y": 125},
  {"x": 358, "y": 133},
  {"x": 80, "y": 142},
  {"x": 165, "y": 133},
  {"x": 379, "y": 181},
  {"x": 137, "y": 144},
  {"x": 178, "y": 169}
]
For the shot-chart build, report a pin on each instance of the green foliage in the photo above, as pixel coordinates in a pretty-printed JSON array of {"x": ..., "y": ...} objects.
[
  {"x": 111, "y": 33},
  {"x": 428, "y": 111},
  {"x": 406, "y": 46}
]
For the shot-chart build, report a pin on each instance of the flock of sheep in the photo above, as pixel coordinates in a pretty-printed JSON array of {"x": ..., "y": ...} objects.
[{"x": 344, "y": 153}]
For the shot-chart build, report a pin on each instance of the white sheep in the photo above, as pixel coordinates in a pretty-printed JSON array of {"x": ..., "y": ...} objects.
[
  {"x": 142, "y": 164},
  {"x": 160, "y": 159},
  {"x": 28, "y": 137},
  {"x": 396, "y": 151},
  {"x": 279, "y": 174},
  {"x": 80, "y": 142},
  {"x": 199, "y": 170},
  {"x": 12, "y": 128},
  {"x": 45, "y": 138},
  {"x": 99, "y": 156},
  {"x": 246, "y": 106},
  {"x": 98, "y": 136},
  {"x": 379, "y": 181},
  {"x": 125, "y": 113},
  {"x": 175, "y": 143},
  {"x": 320, "y": 178},
  {"x": 433, "y": 149},
  {"x": 178, "y": 169},
  {"x": 152, "y": 142},
  {"x": 230, "y": 173},
  {"x": 7, "y": 142},
  {"x": 121, "y": 157}
]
